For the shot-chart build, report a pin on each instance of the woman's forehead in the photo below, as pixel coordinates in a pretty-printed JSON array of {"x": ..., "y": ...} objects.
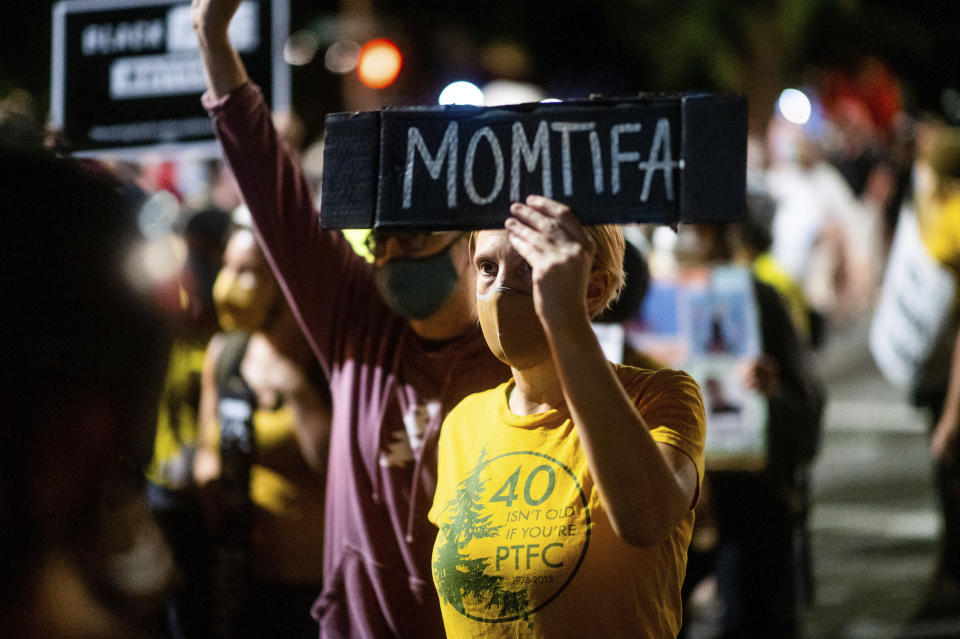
[{"x": 493, "y": 241}]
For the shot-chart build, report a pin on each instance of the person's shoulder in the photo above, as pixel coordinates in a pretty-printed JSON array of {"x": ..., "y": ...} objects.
[
  {"x": 483, "y": 404},
  {"x": 629, "y": 373},
  {"x": 634, "y": 375},
  {"x": 761, "y": 286},
  {"x": 650, "y": 388},
  {"x": 459, "y": 425}
]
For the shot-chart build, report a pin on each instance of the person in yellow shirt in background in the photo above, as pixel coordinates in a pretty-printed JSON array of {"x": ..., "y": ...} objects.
[
  {"x": 170, "y": 488},
  {"x": 262, "y": 456},
  {"x": 565, "y": 496},
  {"x": 936, "y": 197}
]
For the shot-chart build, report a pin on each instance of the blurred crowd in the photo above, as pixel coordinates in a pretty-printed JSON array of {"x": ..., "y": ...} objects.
[{"x": 167, "y": 425}]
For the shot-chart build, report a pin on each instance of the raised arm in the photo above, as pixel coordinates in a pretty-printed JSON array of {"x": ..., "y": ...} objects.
[
  {"x": 647, "y": 487},
  {"x": 317, "y": 270},
  {"x": 221, "y": 63},
  {"x": 268, "y": 176}
]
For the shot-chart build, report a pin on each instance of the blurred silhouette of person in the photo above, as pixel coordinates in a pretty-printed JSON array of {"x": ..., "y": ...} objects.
[
  {"x": 393, "y": 337},
  {"x": 170, "y": 488},
  {"x": 84, "y": 357},
  {"x": 936, "y": 387},
  {"x": 823, "y": 235},
  {"x": 753, "y": 243},
  {"x": 759, "y": 515},
  {"x": 261, "y": 473}
]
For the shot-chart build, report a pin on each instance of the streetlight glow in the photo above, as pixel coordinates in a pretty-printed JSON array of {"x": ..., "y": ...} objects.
[
  {"x": 379, "y": 63},
  {"x": 794, "y": 105},
  {"x": 461, "y": 92}
]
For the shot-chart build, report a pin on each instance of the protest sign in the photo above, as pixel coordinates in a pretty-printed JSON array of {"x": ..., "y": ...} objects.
[
  {"x": 704, "y": 321},
  {"x": 916, "y": 300},
  {"x": 656, "y": 158},
  {"x": 127, "y": 75}
]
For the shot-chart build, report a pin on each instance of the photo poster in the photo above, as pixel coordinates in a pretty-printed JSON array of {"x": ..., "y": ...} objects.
[{"x": 704, "y": 321}]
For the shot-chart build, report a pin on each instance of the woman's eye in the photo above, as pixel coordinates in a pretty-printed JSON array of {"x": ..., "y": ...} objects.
[{"x": 486, "y": 268}]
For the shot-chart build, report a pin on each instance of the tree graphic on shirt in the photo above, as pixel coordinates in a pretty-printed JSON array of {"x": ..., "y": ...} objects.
[{"x": 459, "y": 576}]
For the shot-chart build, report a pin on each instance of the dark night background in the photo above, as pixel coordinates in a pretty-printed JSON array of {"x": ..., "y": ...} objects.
[{"x": 613, "y": 47}]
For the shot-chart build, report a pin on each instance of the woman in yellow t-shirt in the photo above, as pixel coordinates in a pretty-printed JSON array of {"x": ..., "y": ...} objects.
[
  {"x": 261, "y": 461},
  {"x": 565, "y": 496}
]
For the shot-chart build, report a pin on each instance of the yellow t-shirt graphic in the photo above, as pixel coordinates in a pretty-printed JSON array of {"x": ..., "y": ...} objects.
[{"x": 525, "y": 547}]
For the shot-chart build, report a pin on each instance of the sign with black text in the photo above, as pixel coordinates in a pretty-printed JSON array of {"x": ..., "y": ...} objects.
[
  {"x": 916, "y": 301},
  {"x": 127, "y": 74},
  {"x": 655, "y": 158}
]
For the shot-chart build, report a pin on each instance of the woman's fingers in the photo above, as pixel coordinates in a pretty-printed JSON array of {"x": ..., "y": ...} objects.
[
  {"x": 536, "y": 219},
  {"x": 554, "y": 220},
  {"x": 562, "y": 216}
]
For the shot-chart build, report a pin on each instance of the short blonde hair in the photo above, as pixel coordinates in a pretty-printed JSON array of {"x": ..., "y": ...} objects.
[
  {"x": 608, "y": 258},
  {"x": 610, "y": 247}
]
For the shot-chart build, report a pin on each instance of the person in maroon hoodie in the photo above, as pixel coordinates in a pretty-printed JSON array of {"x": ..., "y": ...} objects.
[{"x": 398, "y": 341}]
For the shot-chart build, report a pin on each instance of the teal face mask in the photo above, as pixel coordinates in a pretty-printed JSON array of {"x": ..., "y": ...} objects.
[{"x": 416, "y": 287}]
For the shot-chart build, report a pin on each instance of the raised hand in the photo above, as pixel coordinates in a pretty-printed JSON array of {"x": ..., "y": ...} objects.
[
  {"x": 761, "y": 374},
  {"x": 221, "y": 63},
  {"x": 548, "y": 235},
  {"x": 210, "y": 18}
]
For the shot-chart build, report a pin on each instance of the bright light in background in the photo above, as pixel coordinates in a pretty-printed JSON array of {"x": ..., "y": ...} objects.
[
  {"x": 379, "y": 63},
  {"x": 156, "y": 261},
  {"x": 342, "y": 56},
  {"x": 794, "y": 106},
  {"x": 499, "y": 92},
  {"x": 158, "y": 214},
  {"x": 461, "y": 92},
  {"x": 300, "y": 48},
  {"x": 162, "y": 253},
  {"x": 550, "y": 101},
  {"x": 357, "y": 239}
]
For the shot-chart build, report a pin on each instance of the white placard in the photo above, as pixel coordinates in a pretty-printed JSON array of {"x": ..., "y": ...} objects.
[{"x": 916, "y": 299}]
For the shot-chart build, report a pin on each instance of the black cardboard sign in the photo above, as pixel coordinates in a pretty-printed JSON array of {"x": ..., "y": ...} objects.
[
  {"x": 127, "y": 75},
  {"x": 655, "y": 158}
]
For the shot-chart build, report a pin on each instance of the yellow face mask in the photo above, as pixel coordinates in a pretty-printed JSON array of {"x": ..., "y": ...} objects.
[
  {"x": 511, "y": 328},
  {"x": 242, "y": 300}
]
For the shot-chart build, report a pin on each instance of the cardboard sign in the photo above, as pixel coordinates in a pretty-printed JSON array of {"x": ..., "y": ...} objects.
[
  {"x": 916, "y": 301},
  {"x": 705, "y": 322},
  {"x": 127, "y": 75},
  {"x": 655, "y": 158}
]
